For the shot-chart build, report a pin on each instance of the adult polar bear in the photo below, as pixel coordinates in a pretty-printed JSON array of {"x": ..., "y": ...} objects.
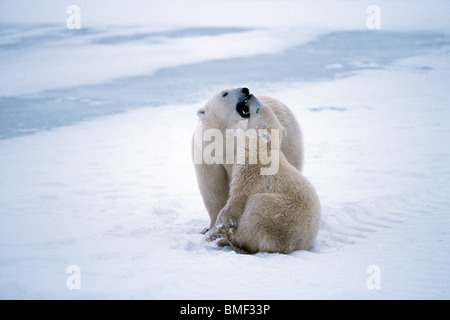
[{"x": 226, "y": 110}]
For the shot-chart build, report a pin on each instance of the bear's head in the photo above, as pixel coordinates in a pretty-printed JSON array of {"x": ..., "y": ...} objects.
[
  {"x": 264, "y": 121},
  {"x": 226, "y": 109}
]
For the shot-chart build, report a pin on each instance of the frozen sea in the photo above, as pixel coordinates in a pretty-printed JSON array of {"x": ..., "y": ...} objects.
[
  {"x": 95, "y": 128},
  {"x": 327, "y": 57}
]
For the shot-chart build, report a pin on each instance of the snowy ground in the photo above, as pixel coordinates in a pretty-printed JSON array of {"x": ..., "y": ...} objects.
[{"x": 113, "y": 190}]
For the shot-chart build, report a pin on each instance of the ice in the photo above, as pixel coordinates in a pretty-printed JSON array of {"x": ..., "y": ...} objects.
[
  {"x": 190, "y": 80},
  {"x": 95, "y": 159}
]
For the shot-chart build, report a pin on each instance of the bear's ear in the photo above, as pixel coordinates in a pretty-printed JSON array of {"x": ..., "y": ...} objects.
[
  {"x": 201, "y": 113},
  {"x": 275, "y": 124},
  {"x": 264, "y": 136}
]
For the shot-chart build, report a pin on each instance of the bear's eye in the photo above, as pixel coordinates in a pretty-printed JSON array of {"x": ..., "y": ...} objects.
[{"x": 225, "y": 94}]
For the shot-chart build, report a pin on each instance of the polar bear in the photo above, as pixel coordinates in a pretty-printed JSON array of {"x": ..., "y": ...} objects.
[
  {"x": 278, "y": 212},
  {"x": 226, "y": 110}
]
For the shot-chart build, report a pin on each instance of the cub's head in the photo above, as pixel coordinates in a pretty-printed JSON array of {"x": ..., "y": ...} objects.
[
  {"x": 226, "y": 109},
  {"x": 264, "y": 121}
]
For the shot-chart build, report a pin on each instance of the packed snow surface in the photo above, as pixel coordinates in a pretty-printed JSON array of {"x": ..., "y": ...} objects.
[{"x": 98, "y": 195}]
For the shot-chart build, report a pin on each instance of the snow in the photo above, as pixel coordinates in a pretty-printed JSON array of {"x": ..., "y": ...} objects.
[{"x": 114, "y": 192}]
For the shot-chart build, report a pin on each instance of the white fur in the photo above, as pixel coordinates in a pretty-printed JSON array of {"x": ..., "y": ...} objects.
[
  {"x": 220, "y": 113},
  {"x": 279, "y": 212}
]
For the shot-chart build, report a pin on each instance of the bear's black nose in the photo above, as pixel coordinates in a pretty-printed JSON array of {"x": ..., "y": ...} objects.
[{"x": 245, "y": 91}]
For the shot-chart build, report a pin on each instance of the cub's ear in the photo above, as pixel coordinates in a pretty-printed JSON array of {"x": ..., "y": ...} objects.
[{"x": 201, "y": 113}]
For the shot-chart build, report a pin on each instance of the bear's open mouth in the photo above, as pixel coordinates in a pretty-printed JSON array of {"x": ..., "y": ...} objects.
[{"x": 242, "y": 107}]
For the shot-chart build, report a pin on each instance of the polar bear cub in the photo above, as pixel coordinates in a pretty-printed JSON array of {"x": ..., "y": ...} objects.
[{"x": 278, "y": 212}]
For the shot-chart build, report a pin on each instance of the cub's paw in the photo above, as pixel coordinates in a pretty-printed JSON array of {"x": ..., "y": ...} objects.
[
  {"x": 223, "y": 243},
  {"x": 213, "y": 234},
  {"x": 228, "y": 233}
]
